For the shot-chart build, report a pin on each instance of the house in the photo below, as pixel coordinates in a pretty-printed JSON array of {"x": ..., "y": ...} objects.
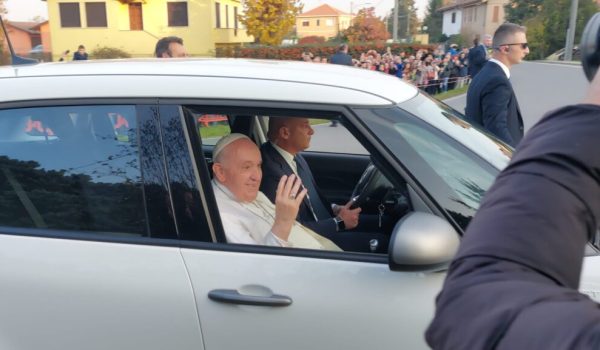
[
  {"x": 136, "y": 25},
  {"x": 23, "y": 36},
  {"x": 472, "y": 18},
  {"x": 325, "y": 21}
]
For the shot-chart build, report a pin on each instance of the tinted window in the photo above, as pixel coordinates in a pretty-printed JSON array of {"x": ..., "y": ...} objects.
[
  {"x": 178, "y": 14},
  {"x": 69, "y": 15},
  {"x": 71, "y": 168},
  {"x": 95, "y": 13}
]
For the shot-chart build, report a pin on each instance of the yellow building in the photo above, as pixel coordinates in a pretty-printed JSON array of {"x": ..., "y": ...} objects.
[
  {"x": 135, "y": 25},
  {"x": 325, "y": 21}
]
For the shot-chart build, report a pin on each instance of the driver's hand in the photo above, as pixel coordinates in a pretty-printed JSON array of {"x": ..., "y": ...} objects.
[{"x": 350, "y": 216}]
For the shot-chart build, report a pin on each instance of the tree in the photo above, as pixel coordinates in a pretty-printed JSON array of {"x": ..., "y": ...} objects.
[
  {"x": 433, "y": 20},
  {"x": 270, "y": 20},
  {"x": 547, "y": 22},
  {"x": 366, "y": 27},
  {"x": 3, "y": 9},
  {"x": 406, "y": 9}
]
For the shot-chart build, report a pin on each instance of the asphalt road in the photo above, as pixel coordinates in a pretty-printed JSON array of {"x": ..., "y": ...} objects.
[{"x": 540, "y": 87}]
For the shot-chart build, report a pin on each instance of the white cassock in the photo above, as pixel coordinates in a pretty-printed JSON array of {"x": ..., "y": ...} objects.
[{"x": 251, "y": 223}]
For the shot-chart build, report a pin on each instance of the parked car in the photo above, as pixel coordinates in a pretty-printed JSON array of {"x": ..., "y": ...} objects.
[
  {"x": 110, "y": 237},
  {"x": 560, "y": 55},
  {"x": 37, "y": 49}
]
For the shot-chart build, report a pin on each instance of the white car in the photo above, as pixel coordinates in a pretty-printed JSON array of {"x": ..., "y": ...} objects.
[{"x": 110, "y": 237}]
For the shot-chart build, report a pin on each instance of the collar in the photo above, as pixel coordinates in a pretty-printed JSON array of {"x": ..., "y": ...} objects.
[
  {"x": 287, "y": 156},
  {"x": 503, "y": 66}
]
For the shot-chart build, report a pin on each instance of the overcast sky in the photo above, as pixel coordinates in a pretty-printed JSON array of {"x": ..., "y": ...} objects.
[{"x": 25, "y": 10}]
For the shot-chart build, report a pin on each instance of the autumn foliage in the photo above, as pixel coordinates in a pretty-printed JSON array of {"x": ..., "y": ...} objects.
[
  {"x": 366, "y": 27},
  {"x": 311, "y": 39},
  {"x": 270, "y": 20}
]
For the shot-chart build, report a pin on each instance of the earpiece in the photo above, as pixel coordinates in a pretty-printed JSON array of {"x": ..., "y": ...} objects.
[{"x": 590, "y": 47}]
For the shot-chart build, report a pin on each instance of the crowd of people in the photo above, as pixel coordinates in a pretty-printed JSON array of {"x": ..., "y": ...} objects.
[{"x": 434, "y": 71}]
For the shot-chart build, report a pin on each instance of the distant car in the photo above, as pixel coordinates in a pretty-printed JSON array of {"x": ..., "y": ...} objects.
[
  {"x": 38, "y": 49},
  {"x": 111, "y": 238},
  {"x": 560, "y": 55}
]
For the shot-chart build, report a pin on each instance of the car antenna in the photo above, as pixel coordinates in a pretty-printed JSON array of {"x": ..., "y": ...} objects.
[{"x": 16, "y": 60}]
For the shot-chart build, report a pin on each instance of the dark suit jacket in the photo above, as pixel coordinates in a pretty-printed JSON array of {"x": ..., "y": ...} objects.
[
  {"x": 274, "y": 167},
  {"x": 341, "y": 58},
  {"x": 477, "y": 59},
  {"x": 491, "y": 103}
]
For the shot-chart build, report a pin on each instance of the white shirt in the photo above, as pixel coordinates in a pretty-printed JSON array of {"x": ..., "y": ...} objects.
[
  {"x": 251, "y": 223},
  {"x": 503, "y": 66},
  {"x": 288, "y": 157}
]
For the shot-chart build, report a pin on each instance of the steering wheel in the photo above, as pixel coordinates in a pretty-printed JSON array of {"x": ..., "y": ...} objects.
[{"x": 370, "y": 180}]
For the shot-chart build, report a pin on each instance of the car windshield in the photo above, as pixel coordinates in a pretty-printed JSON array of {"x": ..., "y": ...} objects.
[{"x": 454, "y": 162}]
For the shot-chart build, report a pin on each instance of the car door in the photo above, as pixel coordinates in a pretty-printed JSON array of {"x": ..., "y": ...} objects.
[
  {"x": 89, "y": 255},
  {"x": 259, "y": 297}
]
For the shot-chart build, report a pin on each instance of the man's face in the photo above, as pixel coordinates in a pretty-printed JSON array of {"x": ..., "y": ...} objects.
[
  {"x": 516, "y": 53},
  {"x": 177, "y": 50},
  {"x": 299, "y": 134},
  {"x": 240, "y": 169},
  {"x": 487, "y": 41}
]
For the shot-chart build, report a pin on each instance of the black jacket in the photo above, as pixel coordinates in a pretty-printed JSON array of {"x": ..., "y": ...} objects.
[
  {"x": 512, "y": 285},
  {"x": 477, "y": 57},
  {"x": 273, "y": 168},
  {"x": 341, "y": 58},
  {"x": 492, "y": 104}
]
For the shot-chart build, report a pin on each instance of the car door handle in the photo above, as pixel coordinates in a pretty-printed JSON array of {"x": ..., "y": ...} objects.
[{"x": 231, "y": 296}]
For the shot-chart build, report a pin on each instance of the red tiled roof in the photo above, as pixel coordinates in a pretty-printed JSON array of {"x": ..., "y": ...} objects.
[
  {"x": 24, "y": 26},
  {"x": 323, "y": 10},
  {"x": 459, "y": 4}
]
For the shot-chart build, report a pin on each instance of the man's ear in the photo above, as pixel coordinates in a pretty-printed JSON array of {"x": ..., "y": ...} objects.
[
  {"x": 218, "y": 172},
  {"x": 284, "y": 132}
]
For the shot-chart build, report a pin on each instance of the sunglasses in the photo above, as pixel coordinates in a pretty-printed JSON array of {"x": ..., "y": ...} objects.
[{"x": 523, "y": 45}]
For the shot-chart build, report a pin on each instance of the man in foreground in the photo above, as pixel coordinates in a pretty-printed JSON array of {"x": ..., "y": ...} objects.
[
  {"x": 491, "y": 101},
  {"x": 513, "y": 283},
  {"x": 248, "y": 216}
]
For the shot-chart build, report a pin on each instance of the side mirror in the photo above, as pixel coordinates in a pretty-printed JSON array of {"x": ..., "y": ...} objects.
[
  {"x": 590, "y": 47},
  {"x": 422, "y": 241}
]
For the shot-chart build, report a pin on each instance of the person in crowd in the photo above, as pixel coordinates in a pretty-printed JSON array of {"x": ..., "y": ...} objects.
[
  {"x": 513, "y": 283},
  {"x": 247, "y": 215},
  {"x": 477, "y": 57},
  {"x": 491, "y": 101},
  {"x": 170, "y": 47},
  {"x": 289, "y": 136},
  {"x": 341, "y": 56},
  {"x": 80, "y": 54}
]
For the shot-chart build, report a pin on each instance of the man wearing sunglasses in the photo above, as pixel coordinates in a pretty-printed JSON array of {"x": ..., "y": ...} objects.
[{"x": 491, "y": 101}]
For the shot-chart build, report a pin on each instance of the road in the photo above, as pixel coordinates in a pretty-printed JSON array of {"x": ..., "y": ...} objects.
[{"x": 540, "y": 87}]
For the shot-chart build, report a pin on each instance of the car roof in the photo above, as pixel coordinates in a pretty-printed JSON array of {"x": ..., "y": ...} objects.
[{"x": 204, "y": 78}]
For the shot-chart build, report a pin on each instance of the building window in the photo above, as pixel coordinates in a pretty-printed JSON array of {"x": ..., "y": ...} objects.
[
  {"x": 136, "y": 21},
  {"x": 178, "y": 14},
  {"x": 218, "y": 15},
  {"x": 496, "y": 14},
  {"x": 95, "y": 14},
  {"x": 318, "y": 22},
  {"x": 305, "y": 23},
  {"x": 235, "y": 20},
  {"x": 453, "y": 17},
  {"x": 226, "y": 16},
  {"x": 329, "y": 22},
  {"x": 69, "y": 15}
]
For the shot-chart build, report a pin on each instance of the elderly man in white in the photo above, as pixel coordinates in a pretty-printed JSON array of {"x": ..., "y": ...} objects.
[{"x": 248, "y": 216}]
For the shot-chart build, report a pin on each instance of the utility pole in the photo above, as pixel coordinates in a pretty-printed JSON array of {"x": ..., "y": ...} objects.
[
  {"x": 568, "y": 56},
  {"x": 395, "y": 26}
]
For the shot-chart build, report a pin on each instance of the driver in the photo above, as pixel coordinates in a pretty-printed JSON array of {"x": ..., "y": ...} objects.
[{"x": 287, "y": 137}]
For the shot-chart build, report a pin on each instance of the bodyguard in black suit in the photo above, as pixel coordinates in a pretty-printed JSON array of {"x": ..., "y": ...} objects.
[
  {"x": 477, "y": 57},
  {"x": 293, "y": 135},
  {"x": 491, "y": 101},
  {"x": 342, "y": 57}
]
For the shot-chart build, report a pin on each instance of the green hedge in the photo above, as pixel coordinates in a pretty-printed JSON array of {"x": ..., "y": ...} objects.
[{"x": 324, "y": 50}]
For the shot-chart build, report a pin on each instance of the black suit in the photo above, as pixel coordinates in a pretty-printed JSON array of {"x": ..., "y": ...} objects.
[
  {"x": 491, "y": 103},
  {"x": 477, "y": 58},
  {"x": 341, "y": 58},
  {"x": 274, "y": 167}
]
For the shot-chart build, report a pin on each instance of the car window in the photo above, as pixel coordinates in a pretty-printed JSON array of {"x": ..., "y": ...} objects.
[
  {"x": 71, "y": 168},
  {"x": 211, "y": 127},
  {"x": 327, "y": 135}
]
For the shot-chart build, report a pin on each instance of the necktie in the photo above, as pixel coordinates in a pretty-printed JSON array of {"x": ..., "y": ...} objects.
[{"x": 312, "y": 199}]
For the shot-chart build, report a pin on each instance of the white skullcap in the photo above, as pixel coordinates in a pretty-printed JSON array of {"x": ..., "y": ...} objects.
[{"x": 225, "y": 141}]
